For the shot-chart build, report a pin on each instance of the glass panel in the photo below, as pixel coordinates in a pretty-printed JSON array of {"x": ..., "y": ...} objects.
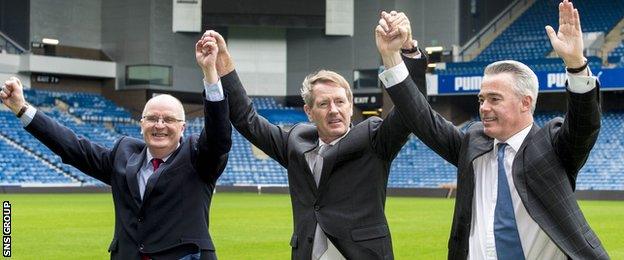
[{"x": 365, "y": 78}]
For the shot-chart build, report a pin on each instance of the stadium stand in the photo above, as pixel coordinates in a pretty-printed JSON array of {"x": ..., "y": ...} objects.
[
  {"x": 26, "y": 160},
  {"x": 617, "y": 55},
  {"x": 45, "y": 101},
  {"x": 9, "y": 46},
  {"x": 541, "y": 65},
  {"x": 86, "y": 106},
  {"x": 18, "y": 166},
  {"x": 525, "y": 39}
]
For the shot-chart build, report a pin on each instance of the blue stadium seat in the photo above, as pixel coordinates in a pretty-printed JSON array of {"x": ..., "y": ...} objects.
[{"x": 525, "y": 39}]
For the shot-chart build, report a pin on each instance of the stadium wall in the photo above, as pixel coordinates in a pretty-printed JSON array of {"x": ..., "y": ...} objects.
[
  {"x": 15, "y": 20},
  {"x": 70, "y": 84},
  {"x": 434, "y": 23},
  {"x": 74, "y": 22},
  {"x": 474, "y": 19},
  {"x": 392, "y": 192},
  {"x": 131, "y": 99},
  {"x": 260, "y": 56},
  {"x": 140, "y": 32},
  {"x": 612, "y": 100},
  {"x": 125, "y": 34},
  {"x": 174, "y": 49},
  {"x": 309, "y": 49}
]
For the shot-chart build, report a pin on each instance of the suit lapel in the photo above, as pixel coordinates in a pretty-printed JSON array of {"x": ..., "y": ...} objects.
[
  {"x": 132, "y": 168},
  {"x": 519, "y": 177},
  {"x": 329, "y": 159},
  {"x": 152, "y": 180},
  {"x": 308, "y": 140},
  {"x": 479, "y": 146},
  {"x": 307, "y": 147}
]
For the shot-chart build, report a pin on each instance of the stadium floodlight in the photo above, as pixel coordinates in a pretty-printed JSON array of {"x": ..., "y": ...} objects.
[{"x": 50, "y": 41}]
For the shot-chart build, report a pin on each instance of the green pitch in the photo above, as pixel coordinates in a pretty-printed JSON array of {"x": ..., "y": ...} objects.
[{"x": 248, "y": 226}]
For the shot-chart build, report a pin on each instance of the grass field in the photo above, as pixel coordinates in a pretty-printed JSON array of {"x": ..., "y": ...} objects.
[{"x": 248, "y": 226}]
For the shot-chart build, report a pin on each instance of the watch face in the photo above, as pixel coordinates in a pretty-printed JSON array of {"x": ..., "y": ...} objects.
[{"x": 408, "y": 51}]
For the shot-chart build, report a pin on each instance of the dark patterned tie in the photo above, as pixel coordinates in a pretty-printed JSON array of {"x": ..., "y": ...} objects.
[{"x": 506, "y": 234}]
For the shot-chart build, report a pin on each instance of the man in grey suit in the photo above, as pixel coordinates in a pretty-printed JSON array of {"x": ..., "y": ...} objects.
[
  {"x": 337, "y": 172},
  {"x": 516, "y": 180}
]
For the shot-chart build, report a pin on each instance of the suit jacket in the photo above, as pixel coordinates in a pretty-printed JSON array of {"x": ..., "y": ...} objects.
[
  {"x": 172, "y": 218},
  {"x": 349, "y": 201},
  {"x": 544, "y": 169}
]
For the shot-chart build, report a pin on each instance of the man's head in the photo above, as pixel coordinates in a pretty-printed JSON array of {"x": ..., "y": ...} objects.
[
  {"x": 328, "y": 103},
  {"x": 507, "y": 98},
  {"x": 162, "y": 124}
]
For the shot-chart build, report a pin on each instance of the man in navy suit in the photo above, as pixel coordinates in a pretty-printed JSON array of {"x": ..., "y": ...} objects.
[{"x": 162, "y": 185}]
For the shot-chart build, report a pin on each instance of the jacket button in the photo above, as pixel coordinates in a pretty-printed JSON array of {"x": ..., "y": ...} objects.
[
  {"x": 141, "y": 247},
  {"x": 317, "y": 207},
  {"x": 310, "y": 239},
  {"x": 140, "y": 219}
]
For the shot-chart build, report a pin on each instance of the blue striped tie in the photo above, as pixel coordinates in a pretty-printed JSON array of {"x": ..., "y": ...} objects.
[{"x": 508, "y": 246}]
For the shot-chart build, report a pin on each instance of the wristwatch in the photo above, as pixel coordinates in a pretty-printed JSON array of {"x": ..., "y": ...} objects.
[
  {"x": 414, "y": 49},
  {"x": 22, "y": 110},
  {"x": 579, "y": 69}
]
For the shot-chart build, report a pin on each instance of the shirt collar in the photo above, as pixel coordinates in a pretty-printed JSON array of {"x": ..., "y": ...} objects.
[
  {"x": 150, "y": 156},
  {"x": 321, "y": 143},
  {"x": 515, "y": 141}
]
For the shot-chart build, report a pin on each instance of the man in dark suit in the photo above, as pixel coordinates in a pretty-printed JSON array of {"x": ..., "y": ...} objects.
[
  {"x": 162, "y": 185},
  {"x": 337, "y": 172},
  {"x": 516, "y": 180}
]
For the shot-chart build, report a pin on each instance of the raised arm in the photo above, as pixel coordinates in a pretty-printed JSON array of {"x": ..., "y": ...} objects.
[
  {"x": 91, "y": 158},
  {"x": 580, "y": 129},
  {"x": 430, "y": 127},
  {"x": 268, "y": 137},
  {"x": 215, "y": 140}
]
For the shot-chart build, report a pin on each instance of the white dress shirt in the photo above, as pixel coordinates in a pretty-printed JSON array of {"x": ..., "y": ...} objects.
[{"x": 535, "y": 243}]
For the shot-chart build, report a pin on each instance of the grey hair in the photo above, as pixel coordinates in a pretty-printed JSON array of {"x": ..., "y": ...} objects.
[
  {"x": 525, "y": 84},
  {"x": 323, "y": 76}
]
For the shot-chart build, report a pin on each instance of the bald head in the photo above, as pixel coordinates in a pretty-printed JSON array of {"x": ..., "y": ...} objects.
[
  {"x": 162, "y": 125},
  {"x": 165, "y": 102}
]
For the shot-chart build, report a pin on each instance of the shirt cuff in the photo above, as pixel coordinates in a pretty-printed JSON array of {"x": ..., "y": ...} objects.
[
  {"x": 415, "y": 55},
  {"x": 394, "y": 75},
  {"x": 214, "y": 91},
  {"x": 28, "y": 116},
  {"x": 581, "y": 82}
]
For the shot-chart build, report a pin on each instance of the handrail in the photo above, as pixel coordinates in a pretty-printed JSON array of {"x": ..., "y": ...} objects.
[
  {"x": 15, "y": 44},
  {"x": 508, "y": 13}
]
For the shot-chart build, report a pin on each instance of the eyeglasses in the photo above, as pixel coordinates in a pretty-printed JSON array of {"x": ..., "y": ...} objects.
[{"x": 167, "y": 120}]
